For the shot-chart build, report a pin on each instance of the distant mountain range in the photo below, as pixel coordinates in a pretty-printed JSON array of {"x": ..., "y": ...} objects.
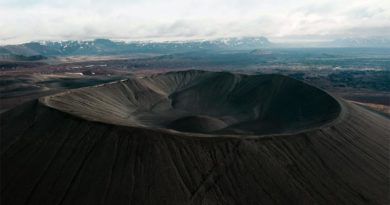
[
  {"x": 44, "y": 49},
  {"x": 346, "y": 42},
  {"x": 105, "y": 46},
  {"x": 361, "y": 42}
]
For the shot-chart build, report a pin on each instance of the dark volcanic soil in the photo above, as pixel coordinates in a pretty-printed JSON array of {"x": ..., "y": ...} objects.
[
  {"x": 199, "y": 124},
  {"x": 194, "y": 138}
]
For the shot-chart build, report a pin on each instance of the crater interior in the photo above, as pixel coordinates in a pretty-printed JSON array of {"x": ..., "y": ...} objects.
[{"x": 203, "y": 102}]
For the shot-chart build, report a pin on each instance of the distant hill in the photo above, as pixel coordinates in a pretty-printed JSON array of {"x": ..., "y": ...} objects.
[
  {"x": 14, "y": 57},
  {"x": 380, "y": 42},
  {"x": 106, "y": 46}
]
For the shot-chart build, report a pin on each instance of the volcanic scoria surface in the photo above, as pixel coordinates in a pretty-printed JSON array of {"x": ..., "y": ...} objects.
[{"x": 194, "y": 137}]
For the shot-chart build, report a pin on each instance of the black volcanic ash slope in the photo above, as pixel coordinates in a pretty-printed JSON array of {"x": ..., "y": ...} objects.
[{"x": 115, "y": 144}]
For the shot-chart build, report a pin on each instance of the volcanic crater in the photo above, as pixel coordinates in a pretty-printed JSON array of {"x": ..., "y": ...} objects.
[
  {"x": 203, "y": 102},
  {"x": 194, "y": 137}
]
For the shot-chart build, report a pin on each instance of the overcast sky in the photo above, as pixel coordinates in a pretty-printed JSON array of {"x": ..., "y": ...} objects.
[{"x": 279, "y": 20}]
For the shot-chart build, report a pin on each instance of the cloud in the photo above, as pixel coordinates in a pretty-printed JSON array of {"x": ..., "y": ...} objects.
[{"x": 26, "y": 20}]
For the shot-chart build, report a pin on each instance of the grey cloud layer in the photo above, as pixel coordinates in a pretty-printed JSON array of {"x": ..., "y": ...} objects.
[{"x": 26, "y": 20}]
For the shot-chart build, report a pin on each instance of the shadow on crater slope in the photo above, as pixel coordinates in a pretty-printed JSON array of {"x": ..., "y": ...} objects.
[{"x": 239, "y": 140}]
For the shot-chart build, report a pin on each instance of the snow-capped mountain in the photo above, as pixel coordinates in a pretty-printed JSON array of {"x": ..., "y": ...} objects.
[{"x": 105, "y": 46}]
